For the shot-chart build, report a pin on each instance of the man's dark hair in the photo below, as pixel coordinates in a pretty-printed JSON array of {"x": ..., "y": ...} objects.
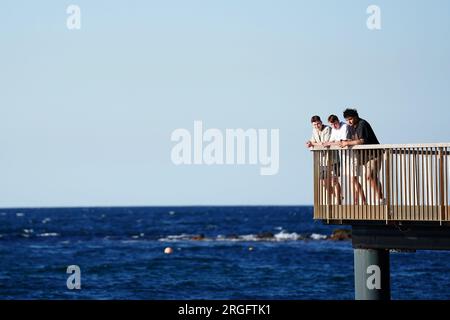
[
  {"x": 350, "y": 113},
  {"x": 315, "y": 119},
  {"x": 333, "y": 118}
]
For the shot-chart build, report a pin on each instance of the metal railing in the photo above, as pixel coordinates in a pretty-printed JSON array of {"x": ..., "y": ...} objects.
[{"x": 382, "y": 183}]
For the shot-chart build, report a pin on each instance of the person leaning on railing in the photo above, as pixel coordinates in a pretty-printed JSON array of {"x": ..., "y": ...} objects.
[
  {"x": 320, "y": 135},
  {"x": 339, "y": 132},
  {"x": 361, "y": 132}
]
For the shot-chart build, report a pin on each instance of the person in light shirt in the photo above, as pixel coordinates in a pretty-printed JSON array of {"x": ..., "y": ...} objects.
[
  {"x": 320, "y": 136},
  {"x": 339, "y": 132},
  {"x": 339, "y": 129}
]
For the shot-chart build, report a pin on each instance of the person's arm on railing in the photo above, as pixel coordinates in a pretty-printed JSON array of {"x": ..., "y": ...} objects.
[
  {"x": 311, "y": 144},
  {"x": 332, "y": 143},
  {"x": 314, "y": 141},
  {"x": 350, "y": 143}
]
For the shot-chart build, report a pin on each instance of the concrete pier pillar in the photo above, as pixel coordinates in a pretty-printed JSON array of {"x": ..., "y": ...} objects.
[{"x": 372, "y": 274}]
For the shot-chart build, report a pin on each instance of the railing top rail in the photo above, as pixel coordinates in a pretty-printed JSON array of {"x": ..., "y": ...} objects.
[{"x": 386, "y": 146}]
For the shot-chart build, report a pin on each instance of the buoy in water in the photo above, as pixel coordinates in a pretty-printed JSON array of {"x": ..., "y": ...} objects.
[{"x": 168, "y": 250}]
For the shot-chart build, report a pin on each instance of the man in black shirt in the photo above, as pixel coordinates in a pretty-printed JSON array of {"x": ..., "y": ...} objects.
[{"x": 360, "y": 132}]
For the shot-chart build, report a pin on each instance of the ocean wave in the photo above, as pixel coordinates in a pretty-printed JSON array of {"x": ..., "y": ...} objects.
[
  {"x": 283, "y": 235},
  {"x": 263, "y": 236},
  {"x": 48, "y": 234},
  {"x": 318, "y": 236}
]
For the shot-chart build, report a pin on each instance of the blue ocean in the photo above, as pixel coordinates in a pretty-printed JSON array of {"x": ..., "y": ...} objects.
[{"x": 256, "y": 252}]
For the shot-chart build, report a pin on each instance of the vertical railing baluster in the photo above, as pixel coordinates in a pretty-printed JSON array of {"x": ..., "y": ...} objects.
[
  {"x": 404, "y": 185},
  {"x": 383, "y": 183},
  {"x": 328, "y": 182},
  {"x": 416, "y": 182},
  {"x": 409, "y": 205},
  {"x": 371, "y": 208},
  {"x": 320, "y": 186},
  {"x": 436, "y": 184},
  {"x": 446, "y": 184},
  {"x": 315, "y": 186},
  {"x": 363, "y": 184},
  {"x": 441, "y": 186},
  {"x": 348, "y": 193},
  {"x": 357, "y": 157},
  {"x": 427, "y": 185},
  {"x": 388, "y": 184},
  {"x": 337, "y": 166},
  {"x": 422, "y": 185},
  {"x": 395, "y": 174}
]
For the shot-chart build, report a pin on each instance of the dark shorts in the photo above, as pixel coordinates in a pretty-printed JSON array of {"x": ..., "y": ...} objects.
[
  {"x": 335, "y": 171},
  {"x": 372, "y": 167}
]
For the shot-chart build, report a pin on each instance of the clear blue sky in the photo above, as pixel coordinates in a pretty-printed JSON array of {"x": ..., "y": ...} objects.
[{"x": 86, "y": 115}]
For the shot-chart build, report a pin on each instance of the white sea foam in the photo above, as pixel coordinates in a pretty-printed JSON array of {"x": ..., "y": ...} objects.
[
  {"x": 248, "y": 237},
  {"x": 19, "y": 214},
  {"x": 48, "y": 234},
  {"x": 280, "y": 236},
  {"x": 317, "y": 236},
  {"x": 285, "y": 236},
  {"x": 178, "y": 237}
]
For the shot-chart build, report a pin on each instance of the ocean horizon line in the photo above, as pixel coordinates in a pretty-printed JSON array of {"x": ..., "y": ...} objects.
[{"x": 161, "y": 206}]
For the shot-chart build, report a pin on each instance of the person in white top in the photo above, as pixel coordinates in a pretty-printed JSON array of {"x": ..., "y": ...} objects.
[
  {"x": 339, "y": 129},
  {"x": 339, "y": 132}
]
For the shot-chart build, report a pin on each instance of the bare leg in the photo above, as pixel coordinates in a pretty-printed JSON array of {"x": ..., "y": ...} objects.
[
  {"x": 337, "y": 190},
  {"x": 372, "y": 176},
  {"x": 337, "y": 193},
  {"x": 357, "y": 191},
  {"x": 326, "y": 183},
  {"x": 376, "y": 186}
]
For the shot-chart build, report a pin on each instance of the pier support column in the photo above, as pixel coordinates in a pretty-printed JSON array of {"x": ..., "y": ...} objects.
[{"x": 372, "y": 274}]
